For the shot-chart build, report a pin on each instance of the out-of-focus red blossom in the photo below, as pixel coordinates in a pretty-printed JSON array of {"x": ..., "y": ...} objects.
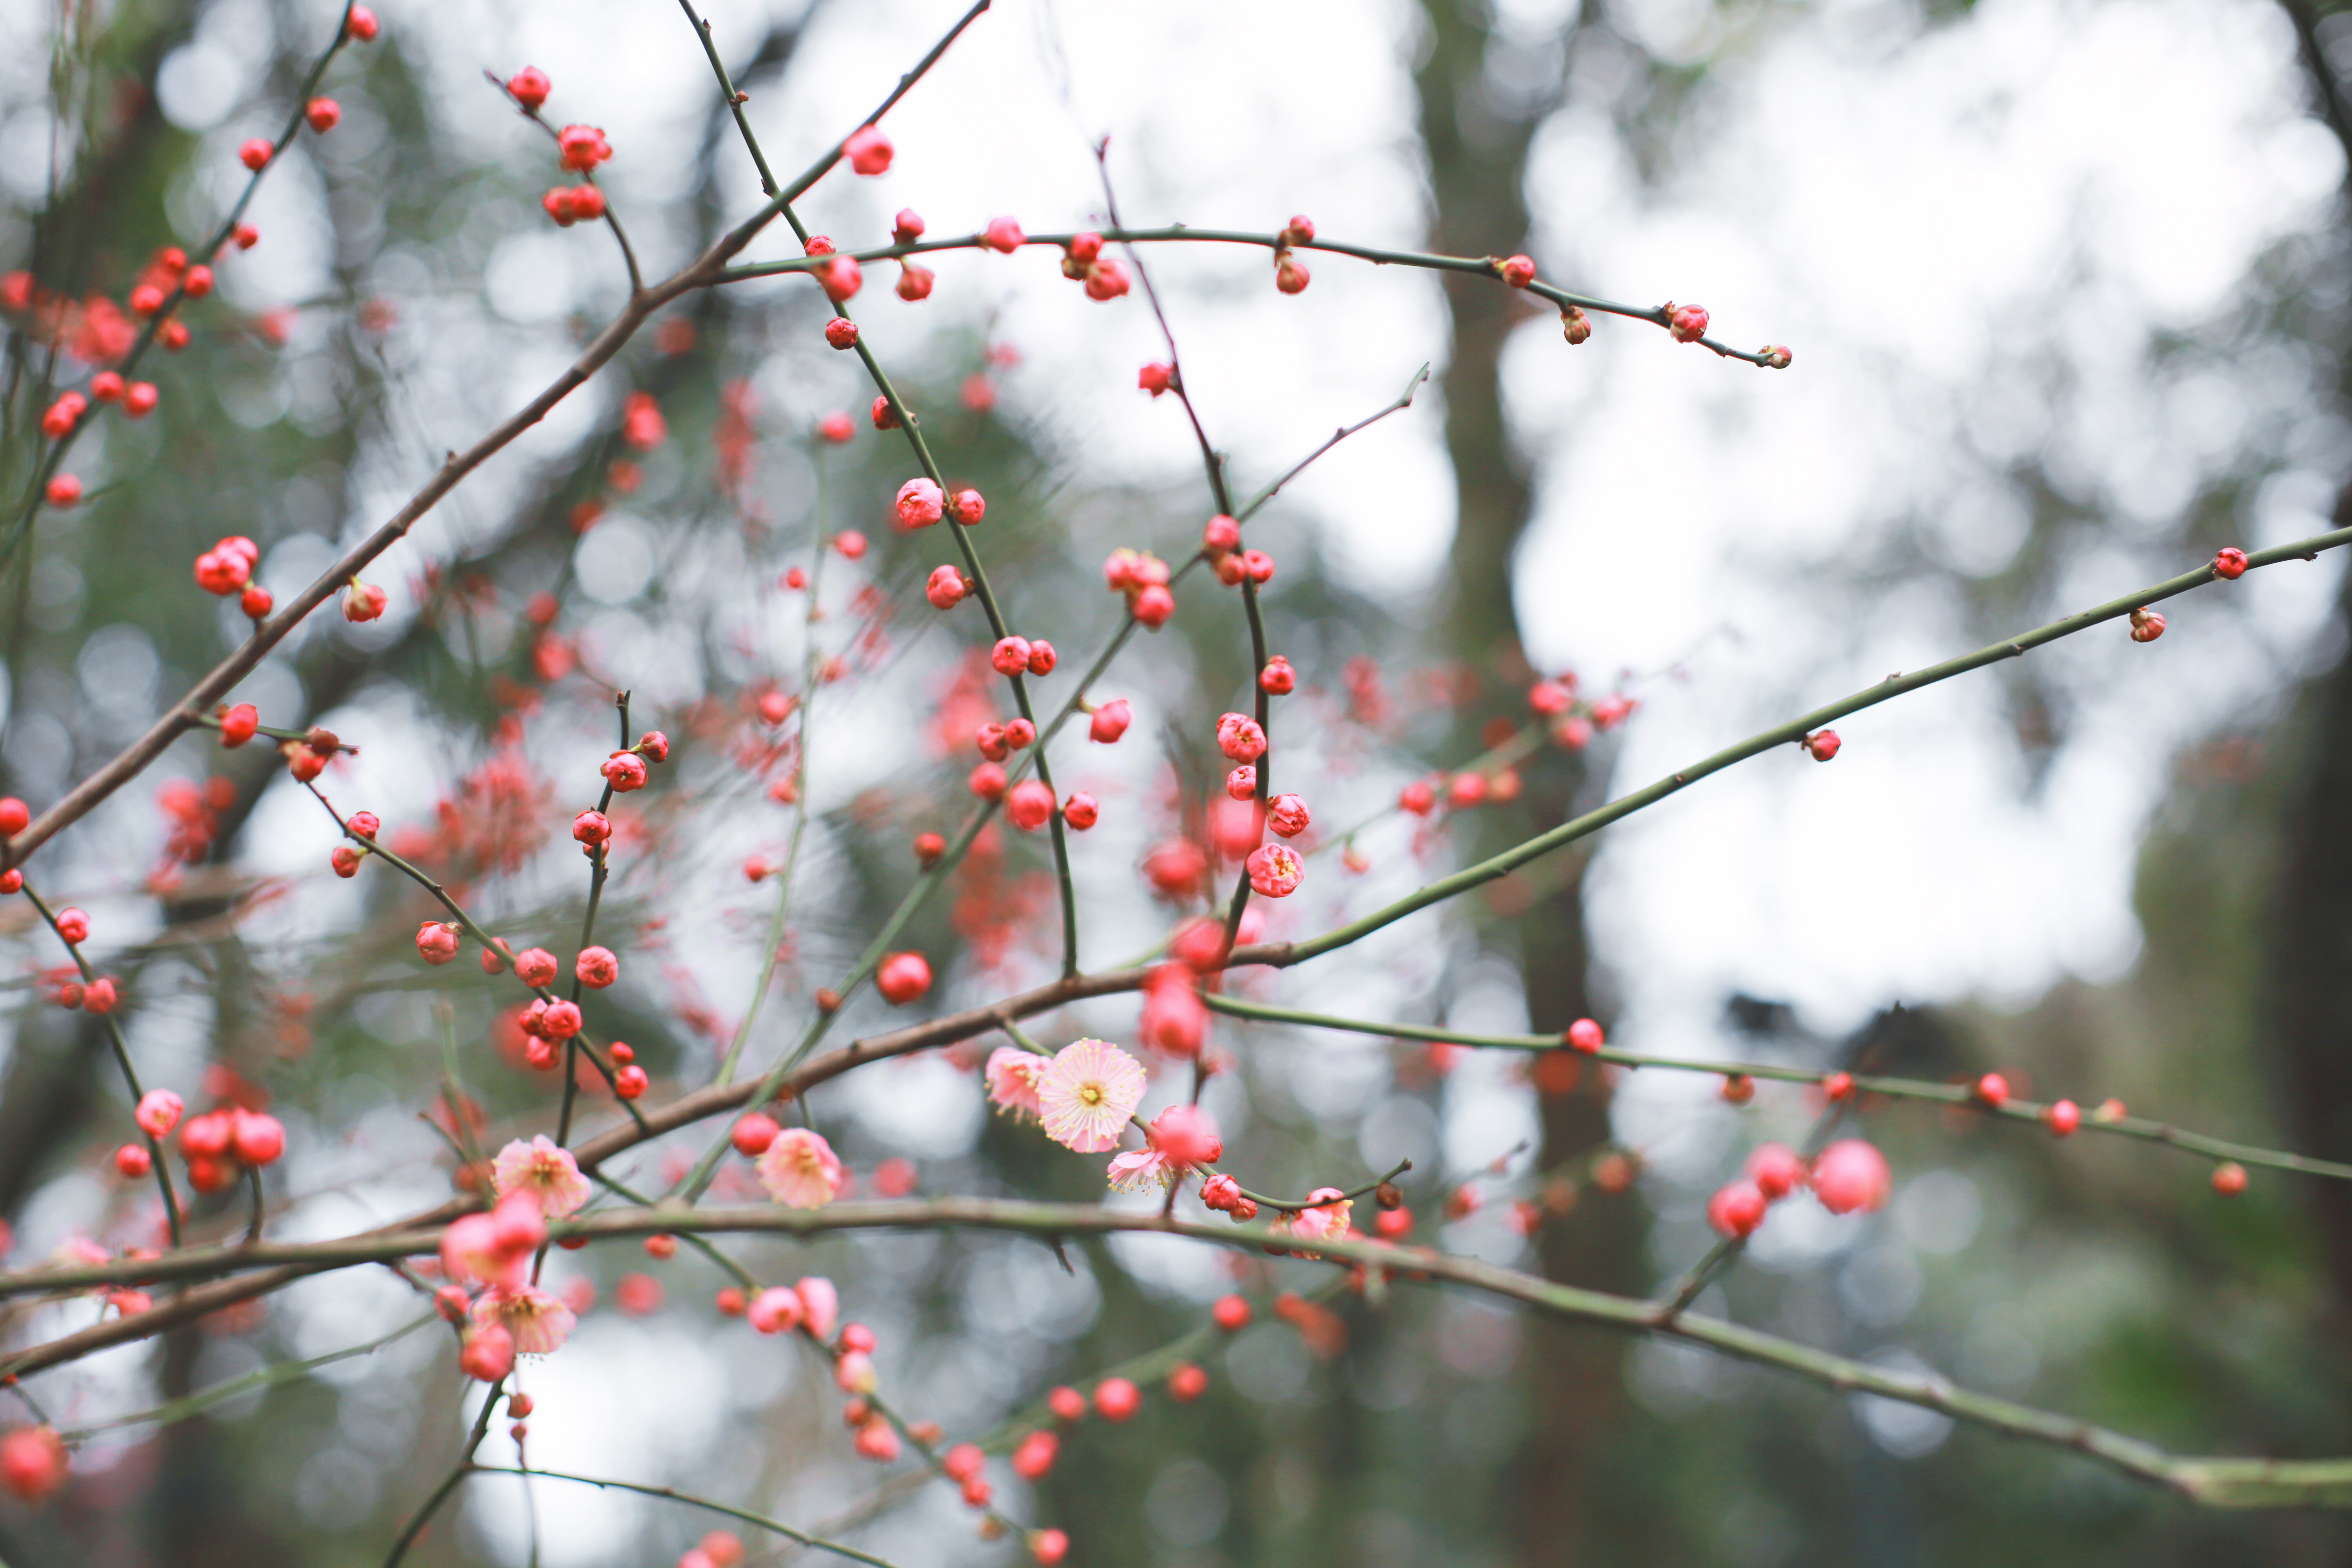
[
  {"x": 1176, "y": 868},
  {"x": 1175, "y": 1020},
  {"x": 499, "y": 817},
  {"x": 32, "y": 1462},
  {"x": 642, "y": 425}
]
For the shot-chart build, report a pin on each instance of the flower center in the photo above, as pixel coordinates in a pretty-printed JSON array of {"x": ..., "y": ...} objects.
[{"x": 1090, "y": 1094}]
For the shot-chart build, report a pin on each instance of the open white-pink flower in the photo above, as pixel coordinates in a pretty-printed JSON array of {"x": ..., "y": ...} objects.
[
  {"x": 1012, "y": 1077},
  {"x": 545, "y": 1170},
  {"x": 1087, "y": 1094},
  {"x": 538, "y": 1321},
  {"x": 801, "y": 1169},
  {"x": 1140, "y": 1170}
]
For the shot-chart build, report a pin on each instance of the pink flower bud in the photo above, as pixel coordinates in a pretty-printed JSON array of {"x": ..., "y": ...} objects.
[
  {"x": 1686, "y": 323},
  {"x": 1574, "y": 324},
  {"x": 1736, "y": 1210},
  {"x": 1776, "y": 1170},
  {"x": 1004, "y": 235},
  {"x": 159, "y": 1112},
  {"x": 436, "y": 941},
  {"x": 597, "y": 967},
  {"x": 1011, "y": 656},
  {"x": 1518, "y": 271},
  {"x": 2147, "y": 625},
  {"x": 625, "y": 770},
  {"x": 1275, "y": 870},
  {"x": 592, "y": 828},
  {"x": 945, "y": 588},
  {"x": 775, "y": 1310},
  {"x": 1299, "y": 230},
  {"x": 921, "y": 504},
  {"x": 1277, "y": 678},
  {"x": 488, "y": 1353},
  {"x": 904, "y": 977},
  {"x": 1822, "y": 744},
  {"x": 1240, "y": 738},
  {"x": 841, "y": 279},
  {"x": 1851, "y": 1176},
  {"x": 907, "y": 227},
  {"x": 530, "y": 86},
  {"x": 1081, "y": 811},
  {"x": 868, "y": 149},
  {"x": 1242, "y": 783},
  {"x": 536, "y": 967},
  {"x": 753, "y": 1131},
  {"x": 841, "y": 332},
  {"x": 1290, "y": 274},
  {"x": 1106, "y": 279},
  {"x": 1287, "y": 815},
  {"x": 1110, "y": 720},
  {"x": 1030, "y": 805},
  {"x": 2229, "y": 563},
  {"x": 1156, "y": 378}
]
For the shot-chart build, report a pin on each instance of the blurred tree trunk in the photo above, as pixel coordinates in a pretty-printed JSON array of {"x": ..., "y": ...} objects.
[
  {"x": 2310, "y": 982},
  {"x": 1477, "y": 163}
]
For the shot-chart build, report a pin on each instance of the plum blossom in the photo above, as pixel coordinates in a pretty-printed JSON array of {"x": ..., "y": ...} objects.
[
  {"x": 1141, "y": 1170},
  {"x": 1087, "y": 1094},
  {"x": 800, "y": 1169},
  {"x": 1012, "y": 1076},
  {"x": 1328, "y": 1221},
  {"x": 820, "y": 1305},
  {"x": 543, "y": 1169},
  {"x": 538, "y": 1321}
]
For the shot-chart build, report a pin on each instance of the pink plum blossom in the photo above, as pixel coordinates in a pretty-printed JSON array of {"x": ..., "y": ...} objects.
[
  {"x": 544, "y": 1169},
  {"x": 1087, "y": 1094},
  {"x": 1012, "y": 1076},
  {"x": 801, "y": 1169}
]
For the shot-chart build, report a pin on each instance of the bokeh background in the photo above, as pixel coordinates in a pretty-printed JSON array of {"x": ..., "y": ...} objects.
[{"x": 2066, "y": 285}]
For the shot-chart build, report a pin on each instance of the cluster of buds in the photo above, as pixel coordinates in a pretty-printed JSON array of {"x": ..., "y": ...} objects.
[
  {"x": 138, "y": 398},
  {"x": 1224, "y": 1194},
  {"x": 1143, "y": 578},
  {"x": 626, "y": 771},
  {"x": 307, "y": 758},
  {"x": 914, "y": 281},
  {"x": 228, "y": 567},
  {"x": 1290, "y": 274},
  {"x": 1850, "y": 1176},
  {"x": 568, "y": 204},
  {"x": 1084, "y": 262},
  {"x": 219, "y": 1143},
  {"x": 1221, "y": 541},
  {"x": 1572, "y": 721}
]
